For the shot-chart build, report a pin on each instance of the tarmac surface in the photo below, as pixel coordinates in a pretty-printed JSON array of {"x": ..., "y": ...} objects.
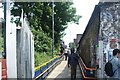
[{"x": 63, "y": 72}]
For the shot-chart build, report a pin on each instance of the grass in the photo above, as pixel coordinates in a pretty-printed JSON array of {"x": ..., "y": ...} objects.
[
  {"x": 1, "y": 43},
  {"x": 42, "y": 58}
]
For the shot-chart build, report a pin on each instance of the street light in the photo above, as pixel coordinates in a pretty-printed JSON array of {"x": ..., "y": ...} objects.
[{"x": 52, "y": 28}]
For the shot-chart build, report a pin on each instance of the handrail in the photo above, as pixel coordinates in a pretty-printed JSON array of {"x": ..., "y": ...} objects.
[
  {"x": 84, "y": 70},
  {"x": 38, "y": 67},
  {"x": 48, "y": 67},
  {"x": 84, "y": 74},
  {"x": 86, "y": 67}
]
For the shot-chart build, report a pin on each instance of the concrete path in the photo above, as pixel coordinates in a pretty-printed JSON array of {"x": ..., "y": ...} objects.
[{"x": 62, "y": 71}]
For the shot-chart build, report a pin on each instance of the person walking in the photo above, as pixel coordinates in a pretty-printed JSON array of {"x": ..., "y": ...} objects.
[
  {"x": 66, "y": 54},
  {"x": 73, "y": 62},
  {"x": 116, "y": 64}
]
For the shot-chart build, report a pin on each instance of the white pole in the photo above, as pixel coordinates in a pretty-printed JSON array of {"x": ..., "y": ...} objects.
[
  {"x": 53, "y": 28},
  {"x": 10, "y": 45},
  {"x": 100, "y": 53}
]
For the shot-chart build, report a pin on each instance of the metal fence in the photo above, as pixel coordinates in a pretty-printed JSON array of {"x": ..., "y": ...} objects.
[
  {"x": 25, "y": 51},
  {"x": 42, "y": 71}
]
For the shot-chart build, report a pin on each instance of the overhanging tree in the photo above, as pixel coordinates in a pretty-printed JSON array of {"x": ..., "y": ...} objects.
[{"x": 39, "y": 15}]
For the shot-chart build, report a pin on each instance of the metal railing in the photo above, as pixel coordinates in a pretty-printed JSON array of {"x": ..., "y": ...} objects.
[
  {"x": 42, "y": 71},
  {"x": 87, "y": 73}
]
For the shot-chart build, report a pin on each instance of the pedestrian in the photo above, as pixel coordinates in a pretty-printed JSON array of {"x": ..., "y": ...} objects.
[
  {"x": 116, "y": 64},
  {"x": 73, "y": 62},
  {"x": 66, "y": 54},
  {"x": 61, "y": 52}
]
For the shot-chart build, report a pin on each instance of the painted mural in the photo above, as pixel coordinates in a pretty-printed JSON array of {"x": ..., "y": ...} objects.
[{"x": 110, "y": 27}]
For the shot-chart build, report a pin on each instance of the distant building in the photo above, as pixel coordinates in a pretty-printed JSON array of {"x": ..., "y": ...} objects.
[{"x": 76, "y": 41}]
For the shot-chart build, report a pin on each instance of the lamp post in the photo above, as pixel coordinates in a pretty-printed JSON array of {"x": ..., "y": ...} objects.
[{"x": 52, "y": 28}]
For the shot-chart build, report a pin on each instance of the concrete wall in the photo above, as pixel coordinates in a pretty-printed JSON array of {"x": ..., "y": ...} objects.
[
  {"x": 102, "y": 28},
  {"x": 89, "y": 40},
  {"x": 78, "y": 39},
  {"x": 110, "y": 21},
  {"x": 110, "y": 27}
]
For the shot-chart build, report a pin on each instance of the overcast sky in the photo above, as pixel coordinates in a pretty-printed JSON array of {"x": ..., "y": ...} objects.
[
  {"x": 85, "y": 9},
  {"x": 1, "y": 11}
]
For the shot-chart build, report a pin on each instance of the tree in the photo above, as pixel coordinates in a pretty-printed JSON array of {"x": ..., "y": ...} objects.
[
  {"x": 39, "y": 15},
  {"x": 1, "y": 35},
  {"x": 72, "y": 45},
  {"x": 42, "y": 42}
]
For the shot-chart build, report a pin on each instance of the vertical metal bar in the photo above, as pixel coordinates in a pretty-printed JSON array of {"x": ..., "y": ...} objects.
[
  {"x": 101, "y": 73},
  {"x": 53, "y": 28},
  {"x": 4, "y": 29}
]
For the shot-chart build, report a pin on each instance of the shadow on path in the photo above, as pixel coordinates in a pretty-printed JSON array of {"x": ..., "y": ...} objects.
[{"x": 62, "y": 72}]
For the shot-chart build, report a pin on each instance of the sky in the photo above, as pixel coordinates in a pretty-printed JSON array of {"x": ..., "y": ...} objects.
[
  {"x": 1, "y": 11},
  {"x": 84, "y": 8}
]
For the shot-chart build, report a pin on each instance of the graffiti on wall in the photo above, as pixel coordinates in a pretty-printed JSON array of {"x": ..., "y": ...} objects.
[
  {"x": 110, "y": 21},
  {"x": 110, "y": 28}
]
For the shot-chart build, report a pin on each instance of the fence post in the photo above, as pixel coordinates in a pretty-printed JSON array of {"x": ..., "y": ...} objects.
[{"x": 100, "y": 52}]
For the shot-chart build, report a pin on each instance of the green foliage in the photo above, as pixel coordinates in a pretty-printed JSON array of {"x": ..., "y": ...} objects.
[
  {"x": 39, "y": 15},
  {"x": 1, "y": 39},
  {"x": 1, "y": 43},
  {"x": 42, "y": 42},
  {"x": 41, "y": 58}
]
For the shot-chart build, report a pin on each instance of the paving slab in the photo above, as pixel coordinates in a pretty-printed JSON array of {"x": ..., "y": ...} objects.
[{"x": 62, "y": 71}]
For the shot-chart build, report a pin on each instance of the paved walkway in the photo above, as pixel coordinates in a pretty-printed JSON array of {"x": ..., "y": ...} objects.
[{"x": 62, "y": 71}]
